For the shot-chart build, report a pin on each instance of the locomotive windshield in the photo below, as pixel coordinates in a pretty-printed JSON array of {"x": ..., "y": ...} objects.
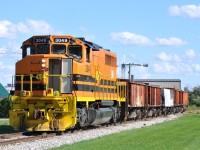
[
  {"x": 75, "y": 51},
  {"x": 43, "y": 49},
  {"x": 58, "y": 49}
]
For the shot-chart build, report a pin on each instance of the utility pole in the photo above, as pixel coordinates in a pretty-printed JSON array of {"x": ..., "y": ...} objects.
[{"x": 129, "y": 67}]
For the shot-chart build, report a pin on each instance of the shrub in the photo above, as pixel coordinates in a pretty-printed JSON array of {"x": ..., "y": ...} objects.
[{"x": 5, "y": 107}]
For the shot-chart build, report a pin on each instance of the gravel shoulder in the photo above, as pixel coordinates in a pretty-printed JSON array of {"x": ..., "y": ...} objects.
[{"x": 71, "y": 138}]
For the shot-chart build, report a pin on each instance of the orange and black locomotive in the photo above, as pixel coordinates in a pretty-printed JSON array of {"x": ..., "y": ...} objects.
[{"x": 62, "y": 81}]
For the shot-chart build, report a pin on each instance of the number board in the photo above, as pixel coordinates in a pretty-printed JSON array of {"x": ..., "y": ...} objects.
[
  {"x": 41, "y": 40},
  {"x": 60, "y": 40}
]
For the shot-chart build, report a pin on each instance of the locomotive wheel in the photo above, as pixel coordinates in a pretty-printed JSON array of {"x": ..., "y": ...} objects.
[{"x": 83, "y": 117}]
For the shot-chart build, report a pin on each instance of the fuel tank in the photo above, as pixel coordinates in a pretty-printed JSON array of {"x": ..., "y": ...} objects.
[{"x": 102, "y": 115}]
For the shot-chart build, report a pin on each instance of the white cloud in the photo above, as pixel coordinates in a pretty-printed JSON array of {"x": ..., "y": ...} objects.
[
  {"x": 2, "y": 51},
  {"x": 168, "y": 57},
  {"x": 177, "y": 64},
  {"x": 6, "y": 67},
  {"x": 10, "y": 30},
  {"x": 190, "y": 53},
  {"x": 163, "y": 56},
  {"x": 165, "y": 68},
  {"x": 171, "y": 68},
  {"x": 11, "y": 49},
  {"x": 141, "y": 73},
  {"x": 184, "y": 68},
  {"x": 190, "y": 11},
  {"x": 176, "y": 58},
  {"x": 6, "y": 29},
  {"x": 172, "y": 41},
  {"x": 38, "y": 26},
  {"x": 128, "y": 38}
]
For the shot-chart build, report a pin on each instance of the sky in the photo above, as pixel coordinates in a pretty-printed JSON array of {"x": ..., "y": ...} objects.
[{"x": 164, "y": 34}]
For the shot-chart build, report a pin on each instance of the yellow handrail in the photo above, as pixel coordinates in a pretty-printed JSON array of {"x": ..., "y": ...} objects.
[{"x": 44, "y": 76}]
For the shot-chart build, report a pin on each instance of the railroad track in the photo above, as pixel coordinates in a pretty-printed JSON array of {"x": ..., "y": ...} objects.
[
  {"x": 19, "y": 137},
  {"x": 14, "y": 138}
]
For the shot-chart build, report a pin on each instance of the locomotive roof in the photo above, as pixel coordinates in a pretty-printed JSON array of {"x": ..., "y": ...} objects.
[{"x": 92, "y": 45}]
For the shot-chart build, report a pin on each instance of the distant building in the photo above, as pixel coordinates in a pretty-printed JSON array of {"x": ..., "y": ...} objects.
[
  {"x": 163, "y": 83},
  {"x": 9, "y": 87},
  {"x": 3, "y": 92}
]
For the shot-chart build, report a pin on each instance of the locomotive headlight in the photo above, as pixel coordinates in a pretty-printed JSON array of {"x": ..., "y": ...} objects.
[
  {"x": 43, "y": 65},
  {"x": 43, "y": 60}
]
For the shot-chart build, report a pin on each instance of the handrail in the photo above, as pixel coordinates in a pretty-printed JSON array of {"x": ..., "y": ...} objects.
[
  {"x": 57, "y": 75},
  {"x": 43, "y": 76}
]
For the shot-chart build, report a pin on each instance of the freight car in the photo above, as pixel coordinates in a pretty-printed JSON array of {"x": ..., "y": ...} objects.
[
  {"x": 62, "y": 82},
  {"x": 145, "y": 100}
]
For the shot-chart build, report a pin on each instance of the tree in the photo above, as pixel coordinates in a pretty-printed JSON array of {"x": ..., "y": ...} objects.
[
  {"x": 5, "y": 107},
  {"x": 194, "y": 96}
]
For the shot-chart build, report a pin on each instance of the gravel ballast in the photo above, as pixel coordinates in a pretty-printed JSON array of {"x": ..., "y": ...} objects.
[{"x": 71, "y": 138}]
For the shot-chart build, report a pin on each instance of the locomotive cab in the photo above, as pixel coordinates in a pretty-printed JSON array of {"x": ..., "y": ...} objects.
[{"x": 53, "y": 57}]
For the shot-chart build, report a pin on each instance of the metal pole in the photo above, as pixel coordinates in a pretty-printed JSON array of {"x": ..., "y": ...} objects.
[{"x": 129, "y": 65}]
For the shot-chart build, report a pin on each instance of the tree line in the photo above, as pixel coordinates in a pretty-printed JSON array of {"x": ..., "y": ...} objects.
[
  {"x": 194, "y": 96},
  {"x": 5, "y": 106}
]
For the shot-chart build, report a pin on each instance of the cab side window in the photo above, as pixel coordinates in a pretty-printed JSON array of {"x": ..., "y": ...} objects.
[
  {"x": 88, "y": 54},
  {"x": 75, "y": 51},
  {"x": 28, "y": 50}
]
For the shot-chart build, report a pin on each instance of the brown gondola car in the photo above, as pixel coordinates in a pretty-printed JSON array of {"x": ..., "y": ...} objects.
[
  {"x": 181, "y": 97},
  {"x": 185, "y": 98},
  {"x": 155, "y": 98},
  {"x": 144, "y": 100},
  {"x": 137, "y": 95},
  {"x": 176, "y": 97}
]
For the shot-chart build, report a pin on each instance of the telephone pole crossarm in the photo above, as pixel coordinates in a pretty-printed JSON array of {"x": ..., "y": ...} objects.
[{"x": 132, "y": 64}]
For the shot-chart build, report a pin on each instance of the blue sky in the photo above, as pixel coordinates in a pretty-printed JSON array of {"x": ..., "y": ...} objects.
[{"x": 164, "y": 34}]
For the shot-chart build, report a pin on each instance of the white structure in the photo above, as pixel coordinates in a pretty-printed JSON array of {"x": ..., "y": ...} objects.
[{"x": 168, "y": 97}]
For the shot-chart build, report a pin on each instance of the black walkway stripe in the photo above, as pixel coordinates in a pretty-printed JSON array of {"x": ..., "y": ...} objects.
[
  {"x": 27, "y": 87},
  {"x": 75, "y": 77},
  {"x": 76, "y": 87}
]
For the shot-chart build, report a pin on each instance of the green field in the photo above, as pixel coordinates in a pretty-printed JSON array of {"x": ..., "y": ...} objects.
[
  {"x": 179, "y": 134},
  {"x": 5, "y": 126}
]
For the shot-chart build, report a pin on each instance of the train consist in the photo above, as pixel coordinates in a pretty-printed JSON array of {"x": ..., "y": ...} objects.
[{"x": 63, "y": 82}]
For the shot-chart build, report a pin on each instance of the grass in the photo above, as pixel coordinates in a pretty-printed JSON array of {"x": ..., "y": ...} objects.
[
  {"x": 5, "y": 126},
  {"x": 179, "y": 134}
]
